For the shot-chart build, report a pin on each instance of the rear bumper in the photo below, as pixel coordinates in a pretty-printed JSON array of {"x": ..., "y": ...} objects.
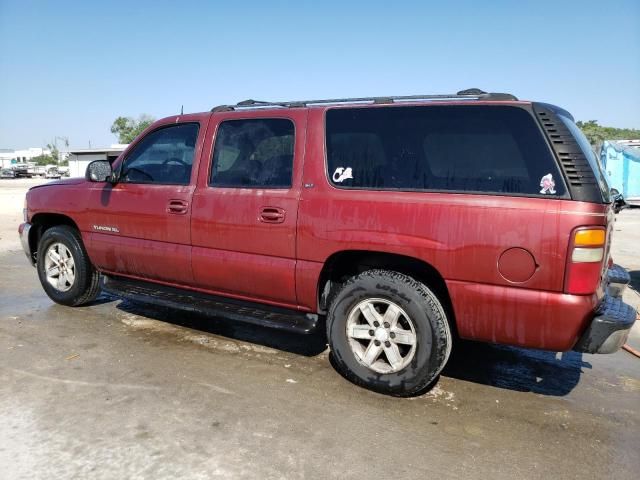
[
  {"x": 609, "y": 329},
  {"x": 23, "y": 231},
  {"x": 617, "y": 280},
  {"x": 613, "y": 319}
]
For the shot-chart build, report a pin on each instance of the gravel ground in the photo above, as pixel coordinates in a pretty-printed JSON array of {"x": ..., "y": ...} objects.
[{"x": 12, "y": 193}]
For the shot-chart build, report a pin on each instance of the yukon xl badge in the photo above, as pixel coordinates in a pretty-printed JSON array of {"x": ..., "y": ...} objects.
[{"x": 104, "y": 228}]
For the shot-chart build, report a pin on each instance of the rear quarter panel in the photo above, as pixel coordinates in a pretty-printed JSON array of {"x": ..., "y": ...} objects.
[{"x": 463, "y": 237}]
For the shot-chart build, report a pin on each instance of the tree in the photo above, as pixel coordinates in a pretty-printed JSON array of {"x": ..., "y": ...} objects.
[
  {"x": 55, "y": 154},
  {"x": 44, "y": 160},
  {"x": 47, "y": 158},
  {"x": 597, "y": 134},
  {"x": 128, "y": 128}
]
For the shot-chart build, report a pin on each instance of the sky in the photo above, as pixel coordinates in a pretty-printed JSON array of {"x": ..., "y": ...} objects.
[{"x": 69, "y": 68}]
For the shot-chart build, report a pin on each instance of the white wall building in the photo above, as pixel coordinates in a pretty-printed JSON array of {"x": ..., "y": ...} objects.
[
  {"x": 20, "y": 156},
  {"x": 80, "y": 159}
]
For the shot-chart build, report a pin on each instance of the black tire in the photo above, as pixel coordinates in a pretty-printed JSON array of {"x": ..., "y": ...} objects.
[
  {"x": 432, "y": 333},
  {"x": 86, "y": 284}
]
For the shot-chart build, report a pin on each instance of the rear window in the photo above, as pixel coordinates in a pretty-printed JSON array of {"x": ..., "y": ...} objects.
[{"x": 451, "y": 148}]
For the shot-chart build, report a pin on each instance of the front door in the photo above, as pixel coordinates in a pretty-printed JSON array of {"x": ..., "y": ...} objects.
[
  {"x": 245, "y": 207},
  {"x": 141, "y": 225}
]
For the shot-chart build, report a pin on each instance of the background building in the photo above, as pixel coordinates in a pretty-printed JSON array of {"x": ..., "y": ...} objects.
[
  {"x": 9, "y": 157},
  {"x": 79, "y": 159}
]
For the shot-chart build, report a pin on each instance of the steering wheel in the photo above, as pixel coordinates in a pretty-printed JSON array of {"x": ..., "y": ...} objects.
[
  {"x": 139, "y": 172},
  {"x": 176, "y": 160}
]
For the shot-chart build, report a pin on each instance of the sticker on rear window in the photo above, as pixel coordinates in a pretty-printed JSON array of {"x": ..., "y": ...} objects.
[
  {"x": 341, "y": 174},
  {"x": 547, "y": 184}
]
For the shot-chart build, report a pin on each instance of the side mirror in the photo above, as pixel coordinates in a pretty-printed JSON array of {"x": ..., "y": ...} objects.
[
  {"x": 99, "y": 171},
  {"x": 618, "y": 200}
]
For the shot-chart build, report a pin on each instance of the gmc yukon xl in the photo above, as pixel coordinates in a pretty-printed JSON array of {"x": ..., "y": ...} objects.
[{"x": 400, "y": 223}]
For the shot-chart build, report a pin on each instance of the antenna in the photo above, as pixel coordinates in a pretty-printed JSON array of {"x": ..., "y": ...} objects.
[{"x": 181, "y": 109}]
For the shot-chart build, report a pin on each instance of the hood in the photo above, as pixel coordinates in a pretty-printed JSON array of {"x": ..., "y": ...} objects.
[{"x": 66, "y": 181}]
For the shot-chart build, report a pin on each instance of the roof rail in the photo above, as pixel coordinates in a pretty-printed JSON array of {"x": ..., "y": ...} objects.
[{"x": 469, "y": 94}]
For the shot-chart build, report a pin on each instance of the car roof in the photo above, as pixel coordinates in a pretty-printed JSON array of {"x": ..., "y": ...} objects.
[
  {"x": 472, "y": 96},
  {"x": 469, "y": 95}
]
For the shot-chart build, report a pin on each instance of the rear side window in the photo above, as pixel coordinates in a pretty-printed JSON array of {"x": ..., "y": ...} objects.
[
  {"x": 253, "y": 154},
  {"x": 453, "y": 148}
]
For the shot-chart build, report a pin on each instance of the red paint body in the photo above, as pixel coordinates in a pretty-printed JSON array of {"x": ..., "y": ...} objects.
[{"x": 222, "y": 245}]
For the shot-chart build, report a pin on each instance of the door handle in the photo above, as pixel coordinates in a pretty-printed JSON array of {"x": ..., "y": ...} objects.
[
  {"x": 178, "y": 207},
  {"x": 272, "y": 215}
]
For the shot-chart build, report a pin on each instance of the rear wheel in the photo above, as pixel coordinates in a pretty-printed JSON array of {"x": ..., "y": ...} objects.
[
  {"x": 65, "y": 271},
  {"x": 388, "y": 332}
]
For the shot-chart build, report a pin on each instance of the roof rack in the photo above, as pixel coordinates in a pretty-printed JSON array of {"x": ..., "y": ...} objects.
[{"x": 469, "y": 94}]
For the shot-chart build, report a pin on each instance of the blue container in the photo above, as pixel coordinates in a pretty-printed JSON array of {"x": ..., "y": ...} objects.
[{"x": 621, "y": 160}]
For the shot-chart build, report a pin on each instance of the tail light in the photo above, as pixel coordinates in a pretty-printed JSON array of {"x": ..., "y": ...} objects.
[{"x": 584, "y": 261}]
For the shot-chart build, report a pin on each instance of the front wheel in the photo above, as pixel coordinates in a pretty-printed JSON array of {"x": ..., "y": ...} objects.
[
  {"x": 65, "y": 271},
  {"x": 388, "y": 333}
]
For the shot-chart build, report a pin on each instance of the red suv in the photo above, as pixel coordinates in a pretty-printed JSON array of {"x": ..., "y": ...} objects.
[{"x": 403, "y": 222}]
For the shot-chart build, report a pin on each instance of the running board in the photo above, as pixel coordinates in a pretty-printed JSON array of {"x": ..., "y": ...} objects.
[{"x": 258, "y": 314}]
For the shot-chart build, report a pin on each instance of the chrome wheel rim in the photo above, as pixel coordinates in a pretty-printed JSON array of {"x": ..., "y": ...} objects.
[
  {"x": 59, "y": 267},
  {"x": 381, "y": 335}
]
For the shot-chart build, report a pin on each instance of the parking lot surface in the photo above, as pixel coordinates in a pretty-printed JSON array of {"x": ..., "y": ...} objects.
[{"x": 123, "y": 390}]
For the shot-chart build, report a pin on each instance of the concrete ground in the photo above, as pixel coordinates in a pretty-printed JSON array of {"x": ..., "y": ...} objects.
[{"x": 118, "y": 390}]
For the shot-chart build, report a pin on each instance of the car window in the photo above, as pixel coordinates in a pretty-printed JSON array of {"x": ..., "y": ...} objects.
[
  {"x": 253, "y": 154},
  {"x": 164, "y": 156},
  {"x": 451, "y": 148}
]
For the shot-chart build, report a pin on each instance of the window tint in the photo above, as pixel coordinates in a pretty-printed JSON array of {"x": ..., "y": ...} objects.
[
  {"x": 253, "y": 153},
  {"x": 457, "y": 148},
  {"x": 164, "y": 156}
]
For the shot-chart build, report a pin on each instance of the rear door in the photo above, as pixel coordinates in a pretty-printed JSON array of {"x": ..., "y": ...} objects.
[
  {"x": 245, "y": 207},
  {"x": 141, "y": 225}
]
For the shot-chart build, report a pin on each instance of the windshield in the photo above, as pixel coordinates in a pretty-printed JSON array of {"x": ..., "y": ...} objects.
[{"x": 585, "y": 146}]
